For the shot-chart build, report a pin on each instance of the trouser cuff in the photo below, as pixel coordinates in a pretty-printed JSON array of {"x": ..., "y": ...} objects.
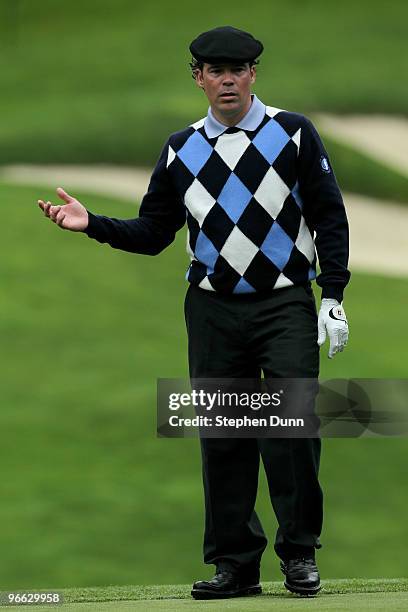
[
  {"x": 292, "y": 551},
  {"x": 251, "y": 571}
]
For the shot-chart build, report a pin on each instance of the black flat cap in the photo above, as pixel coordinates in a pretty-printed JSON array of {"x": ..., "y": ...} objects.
[{"x": 225, "y": 44}]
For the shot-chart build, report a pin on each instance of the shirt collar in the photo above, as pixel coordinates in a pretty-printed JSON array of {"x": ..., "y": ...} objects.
[{"x": 250, "y": 121}]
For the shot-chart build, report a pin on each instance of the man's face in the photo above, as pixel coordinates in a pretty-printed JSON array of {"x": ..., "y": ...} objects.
[{"x": 227, "y": 87}]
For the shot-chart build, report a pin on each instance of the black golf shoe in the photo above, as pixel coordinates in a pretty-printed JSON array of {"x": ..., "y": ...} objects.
[
  {"x": 225, "y": 584},
  {"x": 301, "y": 576}
]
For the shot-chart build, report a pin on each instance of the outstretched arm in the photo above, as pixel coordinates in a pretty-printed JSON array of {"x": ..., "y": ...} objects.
[{"x": 161, "y": 215}]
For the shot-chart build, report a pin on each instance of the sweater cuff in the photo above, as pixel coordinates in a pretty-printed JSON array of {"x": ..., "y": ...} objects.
[
  {"x": 333, "y": 291},
  {"x": 93, "y": 229}
]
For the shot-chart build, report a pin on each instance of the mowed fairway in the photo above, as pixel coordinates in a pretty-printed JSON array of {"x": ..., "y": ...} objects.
[
  {"x": 90, "y": 496},
  {"x": 359, "y": 602},
  {"x": 336, "y": 595}
]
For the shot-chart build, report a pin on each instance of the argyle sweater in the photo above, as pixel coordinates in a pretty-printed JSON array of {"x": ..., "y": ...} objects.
[{"x": 260, "y": 200}]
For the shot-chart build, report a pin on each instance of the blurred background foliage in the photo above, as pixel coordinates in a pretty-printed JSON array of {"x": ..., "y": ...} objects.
[
  {"x": 96, "y": 80},
  {"x": 89, "y": 495}
]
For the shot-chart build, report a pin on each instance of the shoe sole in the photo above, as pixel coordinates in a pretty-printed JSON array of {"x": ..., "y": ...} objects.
[
  {"x": 246, "y": 592},
  {"x": 306, "y": 592}
]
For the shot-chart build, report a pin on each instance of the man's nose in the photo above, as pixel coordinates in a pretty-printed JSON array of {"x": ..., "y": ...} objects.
[{"x": 228, "y": 79}]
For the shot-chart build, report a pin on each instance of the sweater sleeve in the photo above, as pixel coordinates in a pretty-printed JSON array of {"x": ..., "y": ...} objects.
[
  {"x": 161, "y": 215},
  {"x": 324, "y": 212}
]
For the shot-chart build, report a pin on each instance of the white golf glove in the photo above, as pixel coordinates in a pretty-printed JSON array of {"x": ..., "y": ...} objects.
[{"x": 332, "y": 321}]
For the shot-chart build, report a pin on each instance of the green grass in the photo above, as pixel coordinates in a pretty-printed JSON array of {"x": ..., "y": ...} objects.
[
  {"x": 330, "y": 587},
  {"x": 89, "y": 495},
  {"x": 108, "y": 85},
  {"x": 335, "y": 595}
]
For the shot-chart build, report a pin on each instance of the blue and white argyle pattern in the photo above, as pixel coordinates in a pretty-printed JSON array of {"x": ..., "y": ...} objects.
[{"x": 246, "y": 230}]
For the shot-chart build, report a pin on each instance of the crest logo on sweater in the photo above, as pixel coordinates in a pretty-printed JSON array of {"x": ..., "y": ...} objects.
[{"x": 324, "y": 162}]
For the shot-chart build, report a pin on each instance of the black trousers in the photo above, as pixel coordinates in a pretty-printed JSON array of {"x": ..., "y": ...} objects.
[{"x": 239, "y": 336}]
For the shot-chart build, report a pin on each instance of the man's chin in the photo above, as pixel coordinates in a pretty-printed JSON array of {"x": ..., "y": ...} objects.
[{"x": 229, "y": 107}]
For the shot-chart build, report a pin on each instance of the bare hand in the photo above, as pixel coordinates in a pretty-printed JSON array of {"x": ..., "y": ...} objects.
[{"x": 71, "y": 215}]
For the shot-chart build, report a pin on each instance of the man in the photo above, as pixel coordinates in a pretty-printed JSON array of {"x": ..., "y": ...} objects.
[{"x": 255, "y": 185}]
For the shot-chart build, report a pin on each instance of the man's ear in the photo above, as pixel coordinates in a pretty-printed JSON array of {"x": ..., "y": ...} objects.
[
  {"x": 199, "y": 78},
  {"x": 253, "y": 74}
]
